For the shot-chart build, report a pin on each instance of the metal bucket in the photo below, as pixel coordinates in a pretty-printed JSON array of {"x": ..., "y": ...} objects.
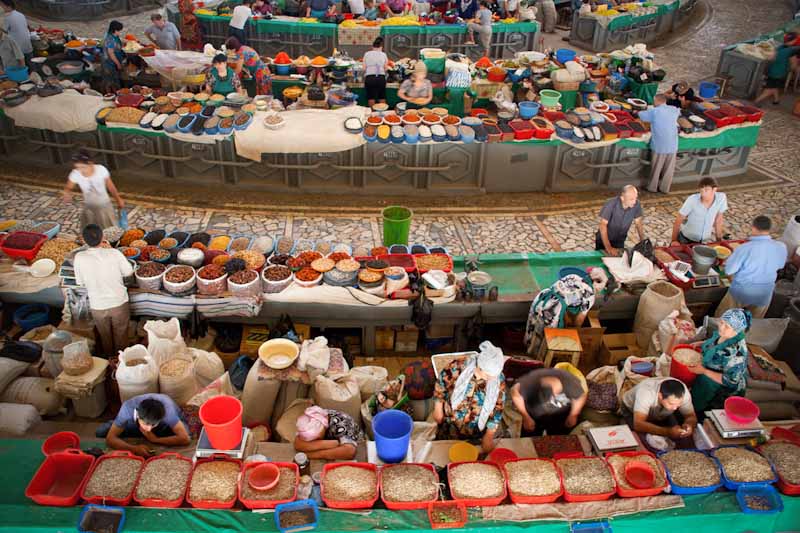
[{"x": 703, "y": 258}]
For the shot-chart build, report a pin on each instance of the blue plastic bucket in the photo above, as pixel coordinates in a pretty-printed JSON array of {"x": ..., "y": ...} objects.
[
  {"x": 565, "y": 54},
  {"x": 392, "y": 430},
  {"x": 708, "y": 89},
  {"x": 16, "y": 73},
  {"x": 528, "y": 110},
  {"x": 283, "y": 70}
]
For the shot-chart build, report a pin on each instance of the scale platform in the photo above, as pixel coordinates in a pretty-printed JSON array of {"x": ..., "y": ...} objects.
[
  {"x": 204, "y": 448},
  {"x": 729, "y": 429}
]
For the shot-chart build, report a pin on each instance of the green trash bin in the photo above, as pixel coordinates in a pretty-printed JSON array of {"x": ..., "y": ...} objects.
[
  {"x": 644, "y": 91},
  {"x": 396, "y": 225}
]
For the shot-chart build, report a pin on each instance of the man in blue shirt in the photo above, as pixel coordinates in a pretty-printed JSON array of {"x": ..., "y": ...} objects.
[
  {"x": 700, "y": 214},
  {"x": 154, "y": 417},
  {"x": 663, "y": 121},
  {"x": 754, "y": 266}
]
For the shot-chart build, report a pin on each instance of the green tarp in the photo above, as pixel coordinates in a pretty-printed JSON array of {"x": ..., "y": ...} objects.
[
  {"x": 19, "y": 459},
  {"x": 498, "y": 27},
  {"x": 623, "y": 21}
]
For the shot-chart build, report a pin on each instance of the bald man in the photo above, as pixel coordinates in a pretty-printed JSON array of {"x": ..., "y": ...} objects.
[{"x": 616, "y": 218}]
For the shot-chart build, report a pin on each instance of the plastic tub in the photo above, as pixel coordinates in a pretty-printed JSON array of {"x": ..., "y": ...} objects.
[
  {"x": 214, "y": 504},
  {"x": 689, "y": 491},
  {"x": 549, "y": 97},
  {"x": 517, "y": 499},
  {"x": 86, "y": 525},
  {"x": 478, "y": 502},
  {"x": 528, "y": 110},
  {"x": 28, "y": 254},
  {"x": 112, "y": 456},
  {"x": 448, "y": 268},
  {"x": 406, "y": 261},
  {"x": 222, "y": 418},
  {"x": 501, "y": 456},
  {"x": 266, "y": 504},
  {"x": 565, "y": 54},
  {"x": 61, "y": 441},
  {"x": 734, "y": 485},
  {"x": 17, "y": 73},
  {"x": 680, "y": 371},
  {"x": 363, "y": 504},
  {"x": 741, "y": 410},
  {"x": 31, "y": 316},
  {"x": 708, "y": 89},
  {"x": 299, "y": 505},
  {"x": 585, "y": 497},
  {"x": 790, "y": 489},
  {"x": 765, "y": 493},
  {"x": 453, "y": 507},
  {"x": 392, "y": 430},
  {"x": 156, "y": 502},
  {"x": 60, "y": 478},
  {"x": 404, "y": 506}
]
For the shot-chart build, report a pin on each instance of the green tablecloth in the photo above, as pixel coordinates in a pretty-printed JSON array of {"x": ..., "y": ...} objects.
[
  {"x": 623, "y": 21},
  {"x": 497, "y": 27}
]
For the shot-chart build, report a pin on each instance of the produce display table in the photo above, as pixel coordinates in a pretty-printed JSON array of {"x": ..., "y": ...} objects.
[{"x": 19, "y": 459}]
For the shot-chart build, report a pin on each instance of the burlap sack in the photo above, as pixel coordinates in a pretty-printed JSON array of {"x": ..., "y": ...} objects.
[
  {"x": 370, "y": 379},
  {"x": 658, "y": 300},
  {"x": 287, "y": 425},
  {"x": 258, "y": 397},
  {"x": 342, "y": 395}
]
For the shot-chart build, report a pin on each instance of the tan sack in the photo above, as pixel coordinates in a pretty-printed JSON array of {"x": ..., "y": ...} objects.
[
  {"x": 287, "y": 425},
  {"x": 371, "y": 379},
  {"x": 38, "y": 392},
  {"x": 658, "y": 300},
  {"x": 258, "y": 397},
  {"x": 342, "y": 395}
]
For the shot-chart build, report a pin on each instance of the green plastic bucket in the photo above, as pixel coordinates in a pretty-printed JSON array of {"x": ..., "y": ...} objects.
[
  {"x": 549, "y": 97},
  {"x": 396, "y": 225}
]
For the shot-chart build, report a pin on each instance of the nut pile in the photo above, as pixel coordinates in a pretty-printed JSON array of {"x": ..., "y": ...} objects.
[
  {"x": 691, "y": 469},
  {"x": 253, "y": 260},
  {"x": 211, "y": 272},
  {"x": 687, "y": 357},
  {"x": 743, "y": 466},
  {"x": 786, "y": 458},
  {"x": 179, "y": 274},
  {"x": 56, "y": 249},
  {"x": 150, "y": 270},
  {"x": 433, "y": 262},
  {"x": 284, "y": 490},
  {"x": 243, "y": 277},
  {"x": 618, "y": 463},
  {"x": 163, "y": 479},
  {"x": 323, "y": 265},
  {"x": 476, "y": 481},
  {"x": 348, "y": 265},
  {"x": 586, "y": 476},
  {"x": 113, "y": 478},
  {"x": 214, "y": 480},
  {"x": 277, "y": 273},
  {"x": 159, "y": 255},
  {"x": 350, "y": 484},
  {"x": 240, "y": 243},
  {"x": 409, "y": 483},
  {"x": 533, "y": 478}
]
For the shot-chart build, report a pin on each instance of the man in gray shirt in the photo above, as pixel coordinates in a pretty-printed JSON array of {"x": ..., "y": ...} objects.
[
  {"x": 163, "y": 34},
  {"x": 17, "y": 27},
  {"x": 616, "y": 218}
]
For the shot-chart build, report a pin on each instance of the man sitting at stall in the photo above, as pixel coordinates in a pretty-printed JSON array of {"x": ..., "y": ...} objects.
[
  {"x": 681, "y": 95},
  {"x": 616, "y": 218},
  {"x": 469, "y": 397},
  {"x": 154, "y": 417},
  {"x": 327, "y": 434},
  {"x": 549, "y": 399},
  {"x": 222, "y": 79},
  {"x": 417, "y": 90},
  {"x": 660, "y": 406},
  {"x": 700, "y": 214}
]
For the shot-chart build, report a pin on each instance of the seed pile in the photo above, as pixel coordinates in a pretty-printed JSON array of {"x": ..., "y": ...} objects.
[
  {"x": 433, "y": 262},
  {"x": 214, "y": 480},
  {"x": 586, "y": 476},
  {"x": 56, "y": 249},
  {"x": 284, "y": 490},
  {"x": 350, "y": 484},
  {"x": 292, "y": 519},
  {"x": 476, "y": 481},
  {"x": 743, "y": 466},
  {"x": 602, "y": 396},
  {"x": 691, "y": 469},
  {"x": 113, "y": 233},
  {"x": 618, "y": 463},
  {"x": 447, "y": 515},
  {"x": 687, "y": 357},
  {"x": 566, "y": 344},
  {"x": 159, "y": 255},
  {"x": 253, "y": 260},
  {"x": 758, "y": 503},
  {"x": 113, "y": 478},
  {"x": 163, "y": 479},
  {"x": 409, "y": 483},
  {"x": 533, "y": 478},
  {"x": 240, "y": 243},
  {"x": 786, "y": 458},
  {"x": 175, "y": 367},
  {"x": 348, "y": 265},
  {"x": 323, "y": 265}
]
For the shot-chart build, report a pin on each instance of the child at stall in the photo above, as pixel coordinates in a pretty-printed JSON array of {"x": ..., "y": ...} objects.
[{"x": 370, "y": 11}]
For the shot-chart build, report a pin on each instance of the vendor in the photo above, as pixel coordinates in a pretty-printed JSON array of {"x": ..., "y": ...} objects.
[
  {"x": 396, "y": 8},
  {"x": 375, "y": 64},
  {"x": 724, "y": 369},
  {"x": 241, "y": 14},
  {"x": 417, "y": 90},
  {"x": 482, "y": 24},
  {"x": 319, "y": 9},
  {"x": 262, "y": 8},
  {"x": 95, "y": 183},
  {"x": 660, "y": 406},
  {"x": 563, "y": 304},
  {"x": 163, "y": 34},
  {"x": 113, "y": 57},
  {"x": 700, "y": 214},
  {"x": 509, "y": 8},
  {"x": 153, "y": 417},
  {"x": 549, "y": 399},
  {"x": 616, "y": 218},
  {"x": 467, "y": 9},
  {"x": 779, "y": 69},
  {"x": 469, "y": 397},
  {"x": 249, "y": 59},
  {"x": 327, "y": 434},
  {"x": 681, "y": 95},
  {"x": 222, "y": 79}
]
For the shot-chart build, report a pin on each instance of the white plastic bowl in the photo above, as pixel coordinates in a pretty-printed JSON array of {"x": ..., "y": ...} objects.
[
  {"x": 278, "y": 353},
  {"x": 43, "y": 268}
]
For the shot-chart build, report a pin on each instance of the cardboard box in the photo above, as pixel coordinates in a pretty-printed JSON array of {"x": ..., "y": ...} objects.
[
  {"x": 435, "y": 331},
  {"x": 384, "y": 339},
  {"x": 619, "y": 346},
  {"x": 406, "y": 340},
  {"x": 303, "y": 331},
  {"x": 253, "y": 336}
]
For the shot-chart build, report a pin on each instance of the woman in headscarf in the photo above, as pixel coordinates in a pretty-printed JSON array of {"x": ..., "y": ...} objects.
[
  {"x": 565, "y": 303},
  {"x": 724, "y": 369},
  {"x": 249, "y": 59},
  {"x": 470, "y": 395},
  {"x": 327, "y": 434},
  {"x": 113, "y": 57}
]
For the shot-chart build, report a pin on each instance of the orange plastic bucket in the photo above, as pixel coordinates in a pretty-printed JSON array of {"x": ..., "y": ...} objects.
[{"x": 222, "y": 418}]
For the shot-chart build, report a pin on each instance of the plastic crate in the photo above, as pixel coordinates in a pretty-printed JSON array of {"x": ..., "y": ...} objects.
[
  {"x": 27, "y": 255},
  {"x": 212, "y": 504},
  {"x": 52, "y": 232},
  {"x": 719, "y": 118},
  {"x": 533, "y": 499},
  {"x": 690, "y": 491},
  {"x": 297, "y": 506},
  {"x": 422, "y": 271},
  {"x": 523, "y": 129},
  {"x": 751, "y": 114},
  {"x": 60, "y": 478},
  {"x": 406, "y": 261},
  {"x": 440, "y": 505},
  {"x": 100, "y": 508},
  {"x": 583, "y": 497},
  {"x": 361, "y": 504},
  {"x": 157, "y": 502},
  {"x": 99, "y": 500},
  {"x": 478, "y": 502},
  {"x": 405, "y": 506},
  {"x": 734, "y": 485},
  {"x": 266, "y": 504},
  {"x": 765, "y": 492},
  {"x": 790, "y": 489},
  {"x": 633, "y": 492}
]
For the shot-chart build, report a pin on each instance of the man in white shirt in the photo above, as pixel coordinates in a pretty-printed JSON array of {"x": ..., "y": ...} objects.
[
  {"x": 239, "y": 19},
  {"x": 17, "y": 27},
  {"x": 101, "y": 271}
]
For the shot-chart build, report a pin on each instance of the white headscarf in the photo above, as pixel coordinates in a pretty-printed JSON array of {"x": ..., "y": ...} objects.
[{"x": 489, "y": 360}]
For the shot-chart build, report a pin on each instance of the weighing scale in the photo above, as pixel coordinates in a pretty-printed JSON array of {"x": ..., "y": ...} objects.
[
  {"x": 728, "y": 429},
  {"x": 705, "y": 282},
  {"x": 204, "y": 448}
]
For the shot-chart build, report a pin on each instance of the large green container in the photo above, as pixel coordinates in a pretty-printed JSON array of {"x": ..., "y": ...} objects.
[{"x": 396, "y": 225}]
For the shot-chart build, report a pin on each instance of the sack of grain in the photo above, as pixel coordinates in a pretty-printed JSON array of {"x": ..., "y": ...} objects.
[
  {"x": 10, "y": 370},
  {"x": 221, "y": 386},
  {"x": 176, "y": 378},
  {"x": 164, "y": 339},
  {"x": 136, "y": 373},
  {"x": 658, "y": 300},
  {"x": 38, "y": 392},
  {"x": 370, "y": 379},
  {"x": 289, "y": 392},
  {"x": 258, "y": 397},
  {"x": 207, "y": 366},
  {"x": 18, "y": 419},
  {"x": 342, "y": 395},
  {"x": 287, "y": 425}
]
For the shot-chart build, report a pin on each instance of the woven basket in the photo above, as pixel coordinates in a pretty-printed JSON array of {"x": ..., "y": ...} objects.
[{"x": 566, "y": 85}]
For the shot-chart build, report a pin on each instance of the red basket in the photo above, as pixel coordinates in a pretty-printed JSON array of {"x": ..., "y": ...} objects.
[
  {"x": 624, "y": 130},
  {"x": 790, "y": 489},
  {"x": 362, "y": 504},
  {"x": 751, "y": 114},
  {"x": 29, "y": 254},
  {"x": 665, "y": 249},
  {"x": 736, "y": 115},
  {"x": 99, "y": 500},
  {"x": 58, "y": 442},
  {"x": 462, "y": 511},
  {"x": 60, "y": 478},
  {"x": 406, "y": 261},
  {"x": 422, "y": 271},
  {"x": 636, "y": 493},
  {"x": 719, "y": 118},
  {"x": 157, "y": 502},
  {"x": 406, "y": 506},
  {"x": 267, "y": 504},
  {"x": 584, "y": 497},
  {"x": 523, "y": 129},
  {"x": 542, "y": 128},
  {"x": 622, "y": 116},
  {"x": 533, "y": 499},
  {"x": 478, "y": 502},
  {"x": 212, "y": 504}
]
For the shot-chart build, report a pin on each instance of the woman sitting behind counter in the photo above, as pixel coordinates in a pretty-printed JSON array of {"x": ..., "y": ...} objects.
[
  {"x": 327, "y": 434},
  {"x": 417, "y": 90},
  {"x": 222, "y": 79}
]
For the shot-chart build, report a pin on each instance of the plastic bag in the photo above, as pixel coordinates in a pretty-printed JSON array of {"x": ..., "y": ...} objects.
[
  {"x": 239, "y": 371},
  {"x": 315, "y": 357},
  {"x": 220, "y": 387},
  {"x": 137, "y": 373},
  {"x": 671, "y": 331},
  {"x": 18, "y": 419},
  {"x": 164, "y": 339},
  {"x": 77, "y": 360},
  {"x": 207, "y": 366},
  {"x": 123, "y": 218}
]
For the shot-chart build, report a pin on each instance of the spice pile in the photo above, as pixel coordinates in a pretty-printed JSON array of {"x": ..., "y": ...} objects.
[
  {"x": 179, "y": 274},
  {"x": 691, "y": 469},
  {"x": 533, "y": 478},
  {"x": 409, "y": 483},
  {"x": 56, "y": 249},
  {"x": 215, "y": 481},
  {"x": 586, "y": 476},
  {"x": 253, "y": 260},
  {"x": 469, "y": 481},
  {"x": 284, "y": 490},
  {"x": 350, "y": 484},
  {"x": 220, "y": 242},
  {"x": 113, "y": 478},
  {"x": 743, "y": 466},
  {"x": 163, "y": 479},
  {"x": 618, "y": 463},
  {"x": 786, "y": 458}
]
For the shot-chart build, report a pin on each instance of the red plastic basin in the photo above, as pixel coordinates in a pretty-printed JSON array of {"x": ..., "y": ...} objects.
[
  {"x": 640, "y": 474},
  {"x": 264, "y": 476},
  {"x": 501, "y": 456},
  {"x": 61, "y": 441},
  {"x": 60, "y": 478},
  {"x": 680, "y": 371},
  {"x": 741, "y": 410}
]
